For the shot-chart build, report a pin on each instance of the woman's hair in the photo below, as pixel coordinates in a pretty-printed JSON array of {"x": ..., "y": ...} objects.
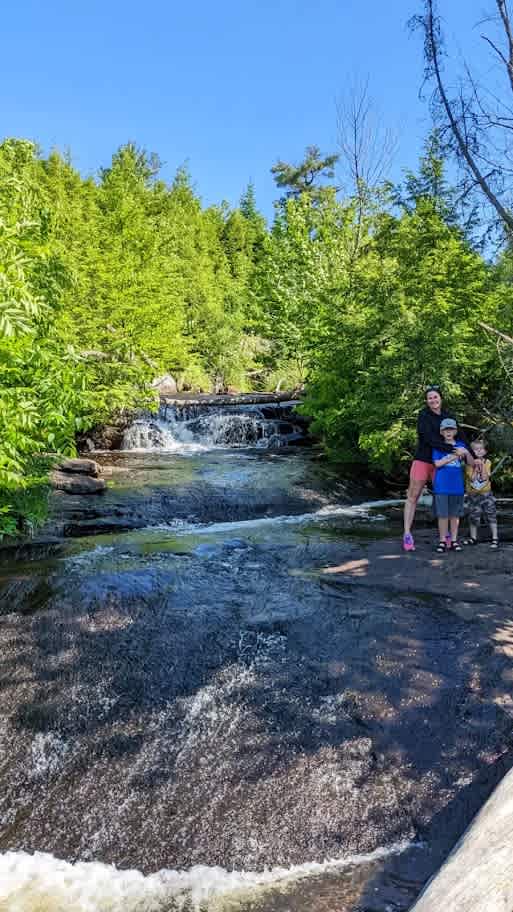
[{"x": 433, "y": 389}]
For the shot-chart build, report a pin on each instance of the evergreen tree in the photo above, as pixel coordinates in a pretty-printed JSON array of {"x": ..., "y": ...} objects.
[
  {"x": 430, "y": 183},
  {"x": 306, "y": 177}
]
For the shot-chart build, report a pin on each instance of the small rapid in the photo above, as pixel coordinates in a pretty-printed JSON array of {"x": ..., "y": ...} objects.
[{"x": 367, "y": 511}]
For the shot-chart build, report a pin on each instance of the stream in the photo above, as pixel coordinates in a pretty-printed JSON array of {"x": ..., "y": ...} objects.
[{"x": 197, "y": 715}]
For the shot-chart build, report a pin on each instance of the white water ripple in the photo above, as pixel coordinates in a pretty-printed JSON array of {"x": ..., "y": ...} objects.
[
  {"x": 43, "y": 883},
  {"x": 331, "y": 511}
]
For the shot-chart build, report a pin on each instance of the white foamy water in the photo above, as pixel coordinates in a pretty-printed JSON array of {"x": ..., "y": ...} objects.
[
  {"x": 164, "y": 436},
  {"x": 43, "y": 883},
  {"x": 331, "y": 511},
  {"x": 211, "y": 430}
]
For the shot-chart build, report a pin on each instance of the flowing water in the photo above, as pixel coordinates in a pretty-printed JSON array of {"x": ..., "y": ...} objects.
[
  {"x": 193, "y": 428},
  {"x": 193, "y": 716}
]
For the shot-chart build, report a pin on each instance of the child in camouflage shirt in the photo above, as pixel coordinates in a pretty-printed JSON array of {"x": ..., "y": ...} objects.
[{"x": 481, "y": 502}]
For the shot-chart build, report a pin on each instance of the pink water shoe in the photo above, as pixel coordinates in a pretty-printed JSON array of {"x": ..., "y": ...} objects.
[{"x": 408, "y": 543}]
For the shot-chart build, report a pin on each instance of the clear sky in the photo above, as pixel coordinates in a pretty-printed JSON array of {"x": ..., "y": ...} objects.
[{"x": 226, "y": 86}]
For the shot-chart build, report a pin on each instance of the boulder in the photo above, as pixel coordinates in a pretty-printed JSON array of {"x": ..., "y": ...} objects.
[
  {"x": 79, "y": 467},
  {"x": 109, "y": 437},
  {"x": 104, "y": 436},
  {"x": 165, "y": 385},
  {"x": 77, "y": 483}
]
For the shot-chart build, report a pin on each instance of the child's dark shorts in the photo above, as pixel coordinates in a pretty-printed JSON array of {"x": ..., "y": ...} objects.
[
  {"x": 445, "y": 505},
  {"x": 482, "y": 505}
]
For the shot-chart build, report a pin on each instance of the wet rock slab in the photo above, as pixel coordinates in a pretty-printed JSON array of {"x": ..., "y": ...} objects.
[{"x": 184, "y": 709}]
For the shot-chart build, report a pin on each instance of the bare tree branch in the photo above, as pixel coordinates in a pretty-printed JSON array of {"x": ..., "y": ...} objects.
[
  {"x": 478, "y": 120},
  {"x": 367, "y": 148},
  {"x": 432, "y": 37},
  {"x": 497, "y": 332},
  {"x": 506, "y": 21},
  {"x": 495, "y": 48}
]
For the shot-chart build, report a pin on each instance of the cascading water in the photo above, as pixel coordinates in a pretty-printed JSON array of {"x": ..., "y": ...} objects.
[
  {"x": 158, "y": 434},
  {"x": 193, "y": 428}
]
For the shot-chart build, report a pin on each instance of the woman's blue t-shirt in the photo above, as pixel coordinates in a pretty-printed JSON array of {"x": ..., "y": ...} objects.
[{"x": 449, "y": 479}]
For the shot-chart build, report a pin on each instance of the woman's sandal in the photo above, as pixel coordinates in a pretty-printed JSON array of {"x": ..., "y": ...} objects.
[
  {"x": 441, "y": 548},
  {"x": 494, "y": 543},
  {"x": 455, "y": 546},
  {"x": 470, "y": 541}
]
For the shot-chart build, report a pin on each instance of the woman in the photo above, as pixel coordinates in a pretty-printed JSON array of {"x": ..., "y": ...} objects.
[{"x": 428, "y": 438}]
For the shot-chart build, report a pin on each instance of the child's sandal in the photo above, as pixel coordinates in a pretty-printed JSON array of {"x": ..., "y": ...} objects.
[
  {"x": 441, "y": 548},
  {"x": 455, "y": 546},
  {"x": 494, "y": 544},
  {"x": 469, "y": 541}
]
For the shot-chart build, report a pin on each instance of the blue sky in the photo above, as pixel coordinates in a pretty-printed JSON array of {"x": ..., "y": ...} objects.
[{"x": 228, "y": 86}]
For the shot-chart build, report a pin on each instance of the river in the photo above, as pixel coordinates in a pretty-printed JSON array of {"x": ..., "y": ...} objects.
[{"x": 195, "y": 714}]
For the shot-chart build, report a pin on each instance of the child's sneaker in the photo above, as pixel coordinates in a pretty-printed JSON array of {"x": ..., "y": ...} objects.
[{"x": 408, "y": 543}]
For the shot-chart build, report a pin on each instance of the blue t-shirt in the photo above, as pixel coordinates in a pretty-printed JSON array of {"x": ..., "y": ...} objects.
[{"x": 450, "y": 478}]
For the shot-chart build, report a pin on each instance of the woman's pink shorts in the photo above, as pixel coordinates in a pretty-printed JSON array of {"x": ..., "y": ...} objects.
[{"x": 421, "y": 471}]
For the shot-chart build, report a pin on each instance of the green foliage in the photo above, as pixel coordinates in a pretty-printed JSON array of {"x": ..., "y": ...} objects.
[
  {"x": 410, "y": 316},
  {"x": 106, "y": 283},
  {"x": 306, "y": 262},
  {"x": 24, "y": 508},
  {"x": 103, "y": 285},
  {"x": 371, "y": 323}
]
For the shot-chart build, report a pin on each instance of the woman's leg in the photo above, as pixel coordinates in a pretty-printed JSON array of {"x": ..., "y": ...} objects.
[{"x": 415, "y": 489}]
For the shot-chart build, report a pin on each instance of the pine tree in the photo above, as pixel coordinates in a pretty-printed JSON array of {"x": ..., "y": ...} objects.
[{"x": 307, "y": 176}]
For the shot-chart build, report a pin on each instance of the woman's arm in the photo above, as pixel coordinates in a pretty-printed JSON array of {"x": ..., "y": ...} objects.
[
  {"x": 428, "y": 434},
  {"x": 451, "y": 457}
]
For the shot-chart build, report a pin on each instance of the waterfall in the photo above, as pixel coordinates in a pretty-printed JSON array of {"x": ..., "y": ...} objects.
[
  {"x": 156, "y": 433},
  {"x": 193, "y": 428}
]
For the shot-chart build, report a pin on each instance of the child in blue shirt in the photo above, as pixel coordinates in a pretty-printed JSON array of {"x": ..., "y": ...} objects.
[{"x": 449, "y": 486}]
